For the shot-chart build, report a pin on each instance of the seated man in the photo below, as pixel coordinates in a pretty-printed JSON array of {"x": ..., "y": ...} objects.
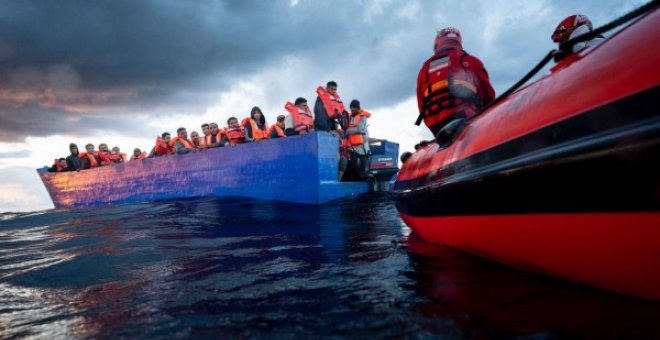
[
  {"x": 277, "y": 130},
  {"x": 233, "y": 134},
  {"x": 59, "y": 166},
  {"x": 451, "y": 84},
  {"x": 197, "y": 141},
  {"x": 300, "y": 119},
  {"x": 162, "y": 147},
  {"x": 115, "y": 156},
  {"x": 73, "y": 161},
  {"x": 180, "y": 143},
  {"x": 138, "y": 155},
  {"x": 214, "y": 138},
  {"x": 91, "y": 159}
]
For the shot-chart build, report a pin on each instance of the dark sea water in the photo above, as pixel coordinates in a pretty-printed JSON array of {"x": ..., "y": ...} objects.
[{"x": 209, "y": 268}]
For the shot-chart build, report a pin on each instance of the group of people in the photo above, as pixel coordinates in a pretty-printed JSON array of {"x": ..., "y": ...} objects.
[{"x": 329, "y": 114}]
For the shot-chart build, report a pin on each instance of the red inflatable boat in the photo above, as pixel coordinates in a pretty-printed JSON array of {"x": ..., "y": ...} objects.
[{"x": 562, "y": 177}]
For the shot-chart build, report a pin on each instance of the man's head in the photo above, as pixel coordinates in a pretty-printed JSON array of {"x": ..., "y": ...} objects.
[
  {"x": 103, "y": 148},
  {"x": 213, "y": 128},
  {"x": 182, "y": 133},
  {"x": 206, "y": 129},
  {"x": 73, "y": 148},
  {"x": 355, "y": 106},
  {"x": 232, "y": 122},
  {"x": 448, "y": 37},
  {"x": 89, "y": 148},
  {"x": 137, "y": 152},
  {"x": 166, "y": 137},
  {"x": 62, "y": 162},
  {"x": 280, "y": 121},
  {"x": 331, "y": 86},
  {"x": 115, "y": 150},
  {"x": 301, "y": 103},
  {"x": 194, "y": 135}
]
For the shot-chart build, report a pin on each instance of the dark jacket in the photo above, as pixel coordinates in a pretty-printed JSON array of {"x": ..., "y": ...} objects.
[
  {"x": 322, "y": 121},
  {"x": 73, "y": 163}
]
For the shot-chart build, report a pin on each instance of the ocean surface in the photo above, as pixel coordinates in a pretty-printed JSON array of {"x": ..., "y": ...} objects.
[{"x": 218, "y": 268}]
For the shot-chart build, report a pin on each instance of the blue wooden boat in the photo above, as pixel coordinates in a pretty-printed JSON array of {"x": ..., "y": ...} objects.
[{"x": 295, "y": 169}]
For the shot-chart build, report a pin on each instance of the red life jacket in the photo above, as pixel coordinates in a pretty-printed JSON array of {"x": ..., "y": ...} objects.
[
  {"x": 186, "y": 143},
  {"x": 302, "y": 121},
  {"x": 332, "y": 103},
  {"x": 117, "y": 158},
  {"x": 257, "y": 133},
  {"x": 358, "y": 138},
  {"x": 140, "y": 157},
  {"x": 278, "y": 130},
  {"x": 446, "y": 87},
  {"x": 235, "y": 135},
  {"x": 162, "y": 148},
  {"x": 59, "y": 167},
  {"x": 92, "y": 158}
]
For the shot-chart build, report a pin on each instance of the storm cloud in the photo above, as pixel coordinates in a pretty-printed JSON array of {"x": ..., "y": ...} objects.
[{"x": 74, "y": 67}]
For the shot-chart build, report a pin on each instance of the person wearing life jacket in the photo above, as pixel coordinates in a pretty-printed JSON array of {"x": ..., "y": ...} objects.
[
  {"x": 162, "y": 147},
  {"x": 115, "y": 156},
  {"x": 277, "y": 130},
  {"x": 59, "y": 165},
  {"x": 92, "y": 159},
  {"x": 300, "y": 119},
  {"x": 214, "y": 138},
  {"x": 197, "y": 141},
  {"x": 572, "y": 27},
  {"x": 180, "y": 143},
  {"x": 233, "y": 133},
  {"x": 206, "y": 131},
  {"x": 255, "y": 127},
  {"x": 328, "y": 108},
  {"x": 73, "y": 162},
  {"x": 103, "y": 149},
  {"x": 138, "y": 155},
  {"x": 451, "y": 84},
  {"x": 357, "y": 137}
]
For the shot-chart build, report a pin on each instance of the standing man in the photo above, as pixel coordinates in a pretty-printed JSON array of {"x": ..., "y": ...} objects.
[
  {"x": 92, "y": 159},
  {"x": 357, "y": 137},
  {"x": 328, "y": 108},
  {"x": 214, "y": 138},
  {"x": 300, "y": 120},
  {"x": 234, "y": 134},
  {"x": 73, "y": 162},
  {"x": 452, "y": 84}
]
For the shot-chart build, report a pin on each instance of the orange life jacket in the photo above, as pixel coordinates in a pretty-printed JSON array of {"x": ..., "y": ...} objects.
[
  {"x": 198, "y": 142},
  {"x": 278, "y": 130},
  {"x": 302, "y": 121},
  {"x": 59, "y": 167},
  {"x": 235, "y": 135},
  {"x": 186, "y": 143},
  {"x": 208, "y": 140},
  {"x": 332, "y": 103},
  {"x": 140, "y": 157},
  {"x": 162, "y": 148},
  {"x": 92, "y": 158},
  {"x": 117, "y": 158},
  {"x": 358, "y": 138},
  {"x": 257, "y": 133}
]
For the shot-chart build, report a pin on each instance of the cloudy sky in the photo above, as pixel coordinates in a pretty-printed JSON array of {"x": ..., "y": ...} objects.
[{"x": 122, "y": 72}]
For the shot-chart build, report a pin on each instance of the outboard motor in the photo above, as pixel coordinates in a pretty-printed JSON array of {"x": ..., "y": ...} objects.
[{"x": 383, "y": 163}]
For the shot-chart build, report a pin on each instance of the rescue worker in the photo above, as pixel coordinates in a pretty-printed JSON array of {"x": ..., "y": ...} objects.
[
  {"x": 73, "y": 162},
  {"x": 357, "y": 137},
  {"x": 138, "y": 155},
  {"x": 214, "y": 138},
  {"x": 328, "y": 108},
  {"x": 451, "y": 84},
  {"x": 233, "y": 133},
  {"x": 180, "y": 143},
  {"x": 573, "y": 27},
  {"x": 255, "y": 127},
  {"x": 115, "y": 156},
  {"x": 59, "y": 166},
  {"x": 300, "y": 119},
  {"x": 92, "y": 159},
  {"x": 277, "y": 130}
]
